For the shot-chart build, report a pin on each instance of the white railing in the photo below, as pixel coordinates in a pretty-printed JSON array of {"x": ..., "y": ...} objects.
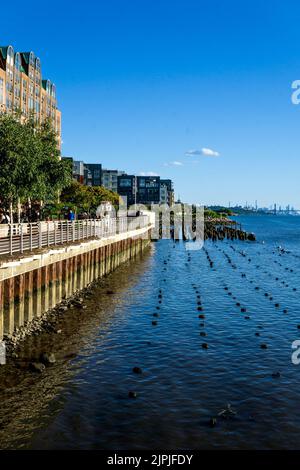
[{"x": 17, "y": 238}]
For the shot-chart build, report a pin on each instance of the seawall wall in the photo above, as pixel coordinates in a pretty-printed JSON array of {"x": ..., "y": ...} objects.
[{"x": 31, "y": 285}]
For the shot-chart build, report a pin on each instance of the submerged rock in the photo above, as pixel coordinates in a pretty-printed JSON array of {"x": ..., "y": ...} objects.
[
  {"x": 228, "y": 412},
  {"x": 276, "y": 375},
  {"x": 37, "y": 367},
  {"x": 47, "y": 359}
]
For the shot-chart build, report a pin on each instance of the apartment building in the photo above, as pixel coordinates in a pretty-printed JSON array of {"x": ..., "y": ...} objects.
[
  {"x": 22, "y": 88},
  {"x": 166, "y": 192},
  {"x": 148, "y": 190},
  {"x": 92, "y": 174},
  {"x": 110, "y": 179}
]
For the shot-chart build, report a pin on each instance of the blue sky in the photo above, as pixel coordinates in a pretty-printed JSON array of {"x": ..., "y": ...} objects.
[{"x": 140, "y": 83}]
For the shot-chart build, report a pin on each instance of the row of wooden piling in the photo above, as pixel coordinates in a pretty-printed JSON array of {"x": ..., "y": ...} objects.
[{"x": 232, "y": 231}]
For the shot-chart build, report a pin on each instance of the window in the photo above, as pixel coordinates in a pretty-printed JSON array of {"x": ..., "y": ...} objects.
[
  {"x": 31, "y": 59},
  {"x": 8, "y": 103},
  {"x": 17, "y": 92},
  {"x": 9, "y": 87},
  {"x": 17, "y": 62},
  {"x": 125, "y": 183},
  {"x": 10, "y": 56},
  {"x": 9, "y": 75},
  {"x": 37, "y": 64},
  {"x": 1, "y": 91},
  {"x": 17, "y": 75}
]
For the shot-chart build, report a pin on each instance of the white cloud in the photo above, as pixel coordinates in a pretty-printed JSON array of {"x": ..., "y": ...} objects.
[
  {"x": 174, "y": 163},
  {"x": 148, "y": 173},
  {"x": 204, "y": 152}
]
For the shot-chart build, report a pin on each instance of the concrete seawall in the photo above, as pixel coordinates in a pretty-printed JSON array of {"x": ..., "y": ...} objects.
[{"x": 32, "y": 285}]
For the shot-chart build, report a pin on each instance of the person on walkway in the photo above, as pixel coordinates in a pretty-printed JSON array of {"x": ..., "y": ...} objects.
[
  {"x": 4, "y": 218},
  {"x": 71, "y": 216}
]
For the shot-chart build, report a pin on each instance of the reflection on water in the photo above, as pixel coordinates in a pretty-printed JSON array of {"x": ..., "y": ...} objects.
[{"x": 223, "y": 329}]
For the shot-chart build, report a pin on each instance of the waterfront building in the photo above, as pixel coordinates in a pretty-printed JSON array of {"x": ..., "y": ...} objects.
[
  {"x": 148, "y": 190},
  {"x": 92, "y": 174},
  {"x": 23, "y": 89},
  {"x": 127, "y": 187},
  {"x": 78, "y": 171},
  {"x": 89, "y": 174},
  {"x": 144, "y": 190},
  {"x": 110, "y": 179},
  {"x": 166, "y": 192}
]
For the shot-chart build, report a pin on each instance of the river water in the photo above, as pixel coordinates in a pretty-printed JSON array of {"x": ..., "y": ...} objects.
[{"x": 82, "y": 401}]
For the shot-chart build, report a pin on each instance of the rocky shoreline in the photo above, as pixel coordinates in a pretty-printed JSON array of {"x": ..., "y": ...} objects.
[{"x": 48, "y": 322}]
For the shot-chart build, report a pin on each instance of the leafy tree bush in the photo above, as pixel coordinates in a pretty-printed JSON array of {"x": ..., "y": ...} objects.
[
  {"x": 87, "y": 198},
  {"x": 30, "y": 165}
]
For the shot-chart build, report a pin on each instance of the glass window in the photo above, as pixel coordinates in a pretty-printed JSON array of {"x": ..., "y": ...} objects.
[
  {"x": 17, "y": 61},
  {"x": 125, "y": 183},
  {"x": 10, "y": 56},
  {"x": 1, "y": 91},
  {"x": 31, "y": 59},
  {"x": 8, "y": 103}
]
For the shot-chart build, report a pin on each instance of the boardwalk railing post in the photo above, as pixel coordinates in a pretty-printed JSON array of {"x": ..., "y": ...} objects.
[
  {"x": 21, "y": 238},
  {"x": 55, "y": 232},
  {"x": 48, "y": 234},
  {"x": 40, "y": 234},
  {"x": 30, "y": 236},
  {"x": 10, "y": 238}
]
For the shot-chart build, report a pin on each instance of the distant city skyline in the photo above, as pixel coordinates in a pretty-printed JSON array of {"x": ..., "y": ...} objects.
[{"x": 193, "y": 91}]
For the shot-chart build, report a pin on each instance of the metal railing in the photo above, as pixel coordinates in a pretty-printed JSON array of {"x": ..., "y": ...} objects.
[{"x": 17, "y": 238}]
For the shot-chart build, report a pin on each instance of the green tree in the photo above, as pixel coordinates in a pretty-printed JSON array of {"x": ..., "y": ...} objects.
[
  {"x": 87, "y": 198},
  {"x": 30, "y": 165}
]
